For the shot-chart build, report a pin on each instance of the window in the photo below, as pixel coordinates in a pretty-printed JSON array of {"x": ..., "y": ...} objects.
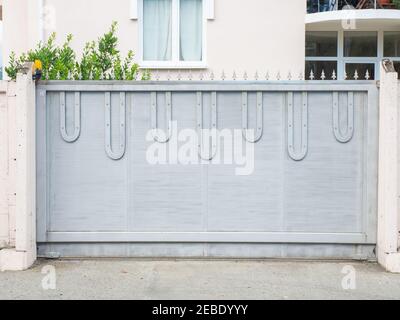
[
  {"x": 360, "y": 44},
  {"x": 172, "y": 33},
  {"x": 361, "y": 53},
  {"x": 320, "y": 69},
  {"x": 321, "y": 44},
  {"x": 346, "y": 55},
  {"x": 360, "y": 71},
  {"x": 321, "y": 55},
  {"x": 392, "y": 44},
  {"x": 391, "y": 48},
  {"x": 314, "y": 6}
]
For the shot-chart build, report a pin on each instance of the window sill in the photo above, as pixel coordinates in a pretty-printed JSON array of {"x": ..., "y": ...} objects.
[{"x": 172, "y": 65}]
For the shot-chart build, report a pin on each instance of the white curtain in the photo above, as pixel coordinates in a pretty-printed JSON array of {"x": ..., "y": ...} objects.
[
  {"x": 191, "y": 30},
  {"x": 157, "y": 30}
]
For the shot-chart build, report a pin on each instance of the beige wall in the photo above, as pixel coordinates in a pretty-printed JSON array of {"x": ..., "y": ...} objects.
[{"x": 244, "y": 36}]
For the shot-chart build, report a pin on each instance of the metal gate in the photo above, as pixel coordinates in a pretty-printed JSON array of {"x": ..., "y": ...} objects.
[{"x": 313, "y": 191}]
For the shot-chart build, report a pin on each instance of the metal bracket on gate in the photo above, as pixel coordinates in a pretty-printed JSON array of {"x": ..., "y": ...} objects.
[
  {"x": 122, "y": 127},
  {"x": 154, "y": 125},
  {"x": 210, "y": 155},
  {"x": 350, "y": 118},
  {"x": 245, "y": 117},
  {"x": 77, "y": 118},
  {"x": 304, "y": 127}
]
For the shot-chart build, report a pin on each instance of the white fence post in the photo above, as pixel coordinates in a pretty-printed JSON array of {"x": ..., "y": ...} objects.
[
  {"x": 388, "y": 192},
  {"x": 4, "y": 133},
  {"x": 24, "y": 254}
]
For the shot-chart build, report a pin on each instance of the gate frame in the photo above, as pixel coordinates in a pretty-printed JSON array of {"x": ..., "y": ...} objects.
[{"x": 370, "y": 168}]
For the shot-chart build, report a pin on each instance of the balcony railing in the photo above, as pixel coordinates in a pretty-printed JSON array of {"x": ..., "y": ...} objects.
[{"x": 314, "y": 6}]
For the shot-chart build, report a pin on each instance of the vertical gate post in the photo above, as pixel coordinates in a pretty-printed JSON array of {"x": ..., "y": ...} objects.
[
  {"x": 24, "y": 254},
  {"x": 4, "y": 134},
  {"x": 389, "y": 183}
]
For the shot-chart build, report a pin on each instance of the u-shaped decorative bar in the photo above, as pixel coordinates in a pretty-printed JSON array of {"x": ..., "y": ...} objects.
[
  {"x": 304, "y": 127},
  {"x": 77, "y": 118},
  {"x": 212, "y": 154},
  {"x": 350, "y": 118},
  {"x": 154, "y": 125},
  {"x": 122, "y": 127},
  {"x": 245, "y": 118}
]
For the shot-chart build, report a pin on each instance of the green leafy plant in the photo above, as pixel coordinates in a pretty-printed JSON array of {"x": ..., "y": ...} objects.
[
  {"x": 100, "y": 60},
  {"x": 397, "y": 3},
  {"x": 14, "y": 65}
]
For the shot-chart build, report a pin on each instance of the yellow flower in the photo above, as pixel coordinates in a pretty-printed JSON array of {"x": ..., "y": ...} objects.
[{"x": 38, "y": 65}]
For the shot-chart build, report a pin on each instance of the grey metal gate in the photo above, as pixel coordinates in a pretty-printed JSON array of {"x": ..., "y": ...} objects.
[{"x": 312, "y": 192}]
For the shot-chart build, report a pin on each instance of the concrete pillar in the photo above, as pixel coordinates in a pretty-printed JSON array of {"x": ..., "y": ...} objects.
[
  {"x": 389, "y": 182},
  {"x": 24, "y": 254}
]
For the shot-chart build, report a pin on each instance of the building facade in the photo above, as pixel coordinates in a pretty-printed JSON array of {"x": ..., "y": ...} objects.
[
  {"x": 227, "y": 35},
  {"x": 268, "y": 39}
]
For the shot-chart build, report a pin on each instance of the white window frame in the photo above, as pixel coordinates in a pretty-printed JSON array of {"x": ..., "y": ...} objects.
[
  {"x": 175, "y": 63},
  {"x": 342, "y": 60},
  {"x": 335, "y": 59}
]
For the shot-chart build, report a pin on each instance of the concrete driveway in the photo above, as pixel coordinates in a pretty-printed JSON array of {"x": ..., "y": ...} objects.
[{"x": 190, "y": 279}]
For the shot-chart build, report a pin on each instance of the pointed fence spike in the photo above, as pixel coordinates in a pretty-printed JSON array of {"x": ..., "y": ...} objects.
[
  {"x": 367, "y": 76},
  {"x": 234, "y": 76},
  {"x": 267, "y": 76},
  {"x": 278, "y": 76},
  {"x": 245, "y": 76},
  {"x": 334, "y": 75},
  {"x": 256, "y": 76},
  {"x": 312, "y": 77},
  {"x": 356, "y": 75},
  {"x": 323, "y": 75},
  {"x": 289, "y": 76},
  {"x": 223, "y": 75},
  {"x": 201, "y": 76},
  {"x": 212, "y": 77},
  {"x": 301, "y": 76}
]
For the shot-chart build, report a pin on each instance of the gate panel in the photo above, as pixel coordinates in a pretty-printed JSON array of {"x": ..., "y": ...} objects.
[
  {"x": 163, "y": 197},
  {"x": 87, "y": 190},
  {"x": 250, "y": 203},
  {"x": 314, "y": 178},
  {"x": 324, "y": 191}
]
